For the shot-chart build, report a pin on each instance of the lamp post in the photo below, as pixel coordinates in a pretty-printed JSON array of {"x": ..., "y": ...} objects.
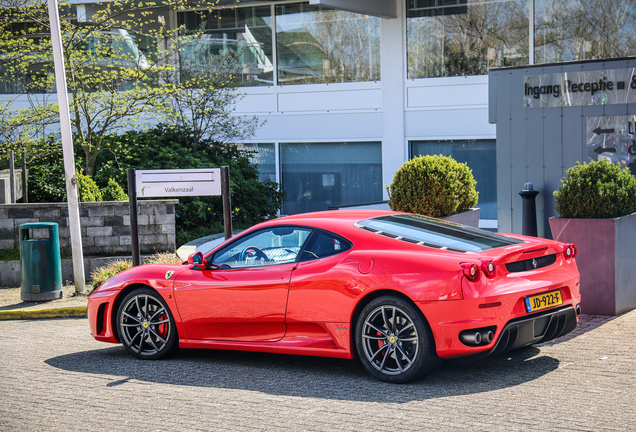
[{"x": 67, "y": 149}]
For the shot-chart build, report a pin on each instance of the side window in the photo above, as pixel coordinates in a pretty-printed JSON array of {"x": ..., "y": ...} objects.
[
  {"x": 270, "y": 246},
  {"x": 322, "y": 244}
]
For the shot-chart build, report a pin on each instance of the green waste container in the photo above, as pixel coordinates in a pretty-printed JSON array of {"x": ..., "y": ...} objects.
[{"x": 40, "y": 262}]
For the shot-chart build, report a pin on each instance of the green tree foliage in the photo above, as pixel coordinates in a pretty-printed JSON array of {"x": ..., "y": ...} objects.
[
  {"x": 46, "y": 172},
  {"x": 598, "y": 189},
  {"x": 435, "y": 186},
  {"x": 169, "y": 147},
  {"x": 118, "y": 63}
]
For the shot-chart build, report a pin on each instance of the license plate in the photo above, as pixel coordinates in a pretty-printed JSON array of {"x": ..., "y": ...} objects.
[{"x": 542, "y": 301}]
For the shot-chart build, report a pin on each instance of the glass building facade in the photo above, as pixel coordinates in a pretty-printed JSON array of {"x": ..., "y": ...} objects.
[
  {"x": 285, "y": 43},
  {"x": 480, "y": 157},
  {"x": 307, "y": 45},
  {"x": 467, "y": 37},
  {"x": 319, "y": 176}
]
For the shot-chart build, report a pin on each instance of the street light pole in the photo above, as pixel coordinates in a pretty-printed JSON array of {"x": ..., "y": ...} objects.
[{"x": 67, "y": 149}]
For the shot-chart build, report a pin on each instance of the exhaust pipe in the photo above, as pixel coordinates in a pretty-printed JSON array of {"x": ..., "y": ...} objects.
[
  {"x": 477, "y": 337},
  {"x": 578, "y": 310},
  {"x": 487, "y": 336},
  {"x": 470, "y": 338}
]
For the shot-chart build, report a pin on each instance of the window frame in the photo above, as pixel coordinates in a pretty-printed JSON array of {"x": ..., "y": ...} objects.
[{"x": 347, "y": 245}]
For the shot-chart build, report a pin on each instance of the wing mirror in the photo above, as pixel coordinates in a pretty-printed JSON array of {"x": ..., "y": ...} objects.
[{"x": 198, "y": 260}]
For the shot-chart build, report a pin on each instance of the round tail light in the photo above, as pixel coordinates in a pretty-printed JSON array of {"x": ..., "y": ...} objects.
[
  {"x": 471, "y": 271},
  {"x": 570, "y": 250},
  {"x": 489, "y": 268}
]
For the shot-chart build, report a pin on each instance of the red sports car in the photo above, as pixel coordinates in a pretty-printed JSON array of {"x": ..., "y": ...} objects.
[{"x": 398, "y": 291}]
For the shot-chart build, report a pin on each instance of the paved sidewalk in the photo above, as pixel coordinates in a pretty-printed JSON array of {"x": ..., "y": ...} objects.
[
  {"x": 70, "y": 305},
  {"x": 56, "y": 377}
]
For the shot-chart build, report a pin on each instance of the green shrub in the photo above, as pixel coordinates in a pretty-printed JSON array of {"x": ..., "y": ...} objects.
[
  {"x": 597, "y": 189},
  {"x": 87, "y": 188},
  {"x": 435, "y": 186},
  {"x": 114, "y": 192},
  {"x": 47, "y": 184}
]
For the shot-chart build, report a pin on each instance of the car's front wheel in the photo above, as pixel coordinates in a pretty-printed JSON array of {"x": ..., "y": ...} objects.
[
  {"x": 146, "y": 326},
  {"x": 394, "y": 341}
]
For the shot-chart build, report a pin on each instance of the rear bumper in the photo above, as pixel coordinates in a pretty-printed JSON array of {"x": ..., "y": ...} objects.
[
  {"x": 508, "y": 334},
  {"x": 537, "y": 328}
]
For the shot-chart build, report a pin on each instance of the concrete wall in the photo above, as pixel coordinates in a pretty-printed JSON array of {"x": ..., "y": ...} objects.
[
  {"x": 105, "y": 226},
  {"x": 10, "y": 270}
]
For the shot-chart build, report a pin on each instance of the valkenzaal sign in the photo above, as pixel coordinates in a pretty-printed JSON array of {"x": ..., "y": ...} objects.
[{"x": 177, "y": 183}]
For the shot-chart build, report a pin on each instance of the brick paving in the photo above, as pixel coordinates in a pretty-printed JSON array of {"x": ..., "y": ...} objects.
[{"x": 56, "y": 377}]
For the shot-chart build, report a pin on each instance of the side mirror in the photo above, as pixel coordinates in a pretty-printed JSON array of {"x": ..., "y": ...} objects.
[{"x": 198, "y": 260}]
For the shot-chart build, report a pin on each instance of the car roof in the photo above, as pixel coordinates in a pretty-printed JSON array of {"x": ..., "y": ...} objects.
[{"x": 338, "y": 221}]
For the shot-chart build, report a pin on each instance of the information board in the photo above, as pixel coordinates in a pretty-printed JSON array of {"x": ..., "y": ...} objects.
[{"x": 178, "y": 182}]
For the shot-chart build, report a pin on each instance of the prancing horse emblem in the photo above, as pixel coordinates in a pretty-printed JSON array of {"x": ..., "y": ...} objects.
[
  {"x": 534, "y": 264},
  {"x": 168, "y": 274}
]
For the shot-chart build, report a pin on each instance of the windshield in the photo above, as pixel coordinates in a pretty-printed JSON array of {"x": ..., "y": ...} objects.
[{"x": 435, "y": 233}]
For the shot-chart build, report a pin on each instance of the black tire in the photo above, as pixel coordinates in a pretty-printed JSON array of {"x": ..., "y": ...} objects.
[
  {"x": 146, "y": 326},
  {"x": 394, "y": 342}
]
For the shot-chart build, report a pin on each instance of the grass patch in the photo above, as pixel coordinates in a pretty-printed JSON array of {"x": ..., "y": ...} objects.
[
  {"x": 105, "y": 272},
  {"x": 10, "y": 255}
]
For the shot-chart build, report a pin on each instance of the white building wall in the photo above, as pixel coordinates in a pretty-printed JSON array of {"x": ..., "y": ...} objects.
[{"x": 393, "y": 111}]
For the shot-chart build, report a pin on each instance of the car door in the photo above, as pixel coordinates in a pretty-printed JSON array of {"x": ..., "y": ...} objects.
[
  {"x": 243, "y": 297},
  {"x": 322, "y": 289}
]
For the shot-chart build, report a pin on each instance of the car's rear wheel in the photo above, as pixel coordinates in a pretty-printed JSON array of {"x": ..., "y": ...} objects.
[
  {"x": 146, "y": 326},
  {"x": 394, "y": 341}
]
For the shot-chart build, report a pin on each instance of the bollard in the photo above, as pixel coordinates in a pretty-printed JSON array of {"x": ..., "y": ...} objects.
[{"x": 529, "y": 209}]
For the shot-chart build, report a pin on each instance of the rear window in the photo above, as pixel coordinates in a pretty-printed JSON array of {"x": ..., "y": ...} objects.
[{"x": 435, "y": 233}]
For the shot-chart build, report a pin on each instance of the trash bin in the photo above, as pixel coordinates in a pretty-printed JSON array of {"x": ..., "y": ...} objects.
[{"x": 40, "y": 262}]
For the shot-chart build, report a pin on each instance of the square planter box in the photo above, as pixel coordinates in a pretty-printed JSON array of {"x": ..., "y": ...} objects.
[
  {"x": 469, "y": 217},
  {"x": 606, "y": 260}
]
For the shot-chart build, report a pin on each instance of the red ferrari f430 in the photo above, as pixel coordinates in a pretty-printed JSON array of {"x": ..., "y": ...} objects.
[{"x": 398, "y": 291}]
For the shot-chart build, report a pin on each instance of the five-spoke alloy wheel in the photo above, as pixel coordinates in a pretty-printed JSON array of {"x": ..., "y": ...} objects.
[
  {"x": 394, "y": 342},
  {"x": 146, "y": 326}
]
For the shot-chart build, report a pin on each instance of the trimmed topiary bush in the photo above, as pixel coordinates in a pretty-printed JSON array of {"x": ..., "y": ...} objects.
[
  {"x": 435, "y": 186},
  {"x": 114, "y": 192},
  {"x": 598, "y": 189}
]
